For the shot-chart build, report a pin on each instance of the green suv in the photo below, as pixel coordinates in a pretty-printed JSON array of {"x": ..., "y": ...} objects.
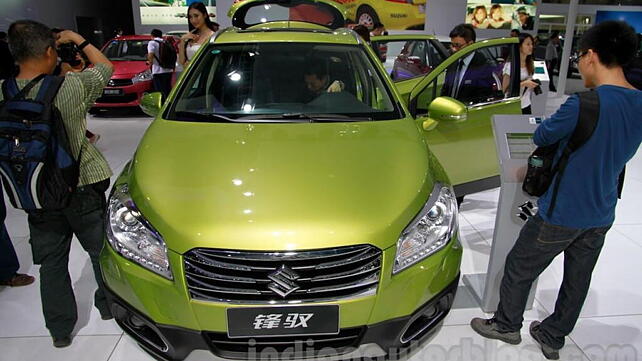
[{"x": 285, "y": 201}]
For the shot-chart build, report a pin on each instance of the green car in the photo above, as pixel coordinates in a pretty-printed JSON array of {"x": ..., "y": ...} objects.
[{"x": 285, "y": 201}]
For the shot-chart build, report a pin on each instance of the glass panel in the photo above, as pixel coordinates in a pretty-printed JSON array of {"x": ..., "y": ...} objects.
[
  {"x": 133, "y": 50},
  {"x": 480, "y": 77},
  {"x": 407, "y": 59},
  {"x": 277, "y": 79}
]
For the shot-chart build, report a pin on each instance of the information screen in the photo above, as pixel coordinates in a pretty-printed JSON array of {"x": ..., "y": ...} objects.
[{"x": 520, "y": 145}]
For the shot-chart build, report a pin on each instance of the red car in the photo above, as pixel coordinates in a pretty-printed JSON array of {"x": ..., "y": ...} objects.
[{"x": 132, "y": 77}]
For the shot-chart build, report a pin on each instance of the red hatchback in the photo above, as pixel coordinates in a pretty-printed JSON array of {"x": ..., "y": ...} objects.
[{"x": 132, "y": 77}]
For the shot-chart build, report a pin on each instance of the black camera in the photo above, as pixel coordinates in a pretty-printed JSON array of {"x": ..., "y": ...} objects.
[
  {"x": 67, "y": 52},
  {"x": 538, "y": 88}
]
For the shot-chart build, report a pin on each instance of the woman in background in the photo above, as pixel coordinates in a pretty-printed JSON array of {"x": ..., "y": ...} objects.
[
  {"x": 201, "y": 28},
  {"x": 527, "y": 69}
]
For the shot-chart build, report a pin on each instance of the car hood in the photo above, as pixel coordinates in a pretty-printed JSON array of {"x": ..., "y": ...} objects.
[
  {"x": 128, "y": 68},
  {"x": 285, "y": 186}
]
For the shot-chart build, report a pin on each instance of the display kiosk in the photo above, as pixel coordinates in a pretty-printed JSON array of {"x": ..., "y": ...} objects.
[{"x": 514, "y": 142}]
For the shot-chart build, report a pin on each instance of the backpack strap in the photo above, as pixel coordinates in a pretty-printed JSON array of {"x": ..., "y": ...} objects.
[
  {"x": 49, "y": 89},
  {"x": 586, "y": 124},
  {"x": 11, "y": 91}
]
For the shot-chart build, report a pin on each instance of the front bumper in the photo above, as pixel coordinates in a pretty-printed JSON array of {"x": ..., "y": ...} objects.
[
  {"x": 392, "y": 337},
  {"x": 169, "y": 324},
  {"x": 130, "y": 97}
]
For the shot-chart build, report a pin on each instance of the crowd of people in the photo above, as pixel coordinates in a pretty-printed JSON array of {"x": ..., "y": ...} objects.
[{"x": 577, "y": 226}]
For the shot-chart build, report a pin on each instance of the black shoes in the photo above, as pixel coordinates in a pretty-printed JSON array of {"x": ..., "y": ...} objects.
[
  {"x": 60, "y": 342},
  {"x": 549, "y": 352},
  {"x": 488, "y": 329}
]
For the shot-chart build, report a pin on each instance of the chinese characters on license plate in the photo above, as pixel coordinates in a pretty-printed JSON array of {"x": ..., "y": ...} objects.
[{"x": 283, "y": 321}]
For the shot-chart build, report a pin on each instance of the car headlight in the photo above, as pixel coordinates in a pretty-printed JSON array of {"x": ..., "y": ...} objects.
[
  {"x": 129, "y": 234},
  {"x": 430, "y": 231},
  {"x": 143, "y": 76}
]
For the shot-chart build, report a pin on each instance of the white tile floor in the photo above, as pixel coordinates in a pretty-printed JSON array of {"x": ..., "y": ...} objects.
[{"x": 609, "y": 328}]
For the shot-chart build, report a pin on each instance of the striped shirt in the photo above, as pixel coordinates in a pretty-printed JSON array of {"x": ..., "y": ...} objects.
[{"x": 77, "y": 94}]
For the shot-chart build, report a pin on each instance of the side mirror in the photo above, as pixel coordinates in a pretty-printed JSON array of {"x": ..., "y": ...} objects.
[
  {"x": 151, "y": 103},
  {"x": 447, "y": 109}
]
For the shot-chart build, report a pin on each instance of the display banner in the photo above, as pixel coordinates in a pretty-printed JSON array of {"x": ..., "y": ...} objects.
[
  {"x": 169, "y": 12},
  {"x": 501, "y": 14}
]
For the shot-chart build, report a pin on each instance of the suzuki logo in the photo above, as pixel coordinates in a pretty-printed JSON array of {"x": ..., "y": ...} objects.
[{"x": 283, "y": 283}]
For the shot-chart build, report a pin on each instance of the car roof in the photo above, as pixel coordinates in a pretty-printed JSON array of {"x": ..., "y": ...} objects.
[{"x": 288, "y": 31}]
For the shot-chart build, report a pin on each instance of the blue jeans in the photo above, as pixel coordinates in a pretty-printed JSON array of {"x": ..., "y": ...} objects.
[
  {"x": 8, "y": 260},
  {"x": 536, "y": 247}
]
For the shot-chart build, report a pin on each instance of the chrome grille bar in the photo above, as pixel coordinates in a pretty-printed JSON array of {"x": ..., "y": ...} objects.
[{"x": 282, "y": 277}]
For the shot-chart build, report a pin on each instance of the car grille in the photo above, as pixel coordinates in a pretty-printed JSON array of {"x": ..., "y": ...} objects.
[
  {"x": 119, "y": 82},
  {"x": 239, "y": 276},
  {"x": 295, "y": 346}
]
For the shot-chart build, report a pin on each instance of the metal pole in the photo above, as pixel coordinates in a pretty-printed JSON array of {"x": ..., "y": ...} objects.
[{"x": 568, "y": 45}]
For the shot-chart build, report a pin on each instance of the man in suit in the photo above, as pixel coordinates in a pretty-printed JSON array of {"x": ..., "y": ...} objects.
[{"x": 470, "y": 79}]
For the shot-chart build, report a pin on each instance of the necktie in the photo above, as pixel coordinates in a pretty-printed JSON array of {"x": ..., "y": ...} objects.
[{"x": 458, "y": 76}]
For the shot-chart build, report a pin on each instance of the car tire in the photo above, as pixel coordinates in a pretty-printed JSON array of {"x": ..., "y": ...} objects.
[{"x": 367, "y": 16}]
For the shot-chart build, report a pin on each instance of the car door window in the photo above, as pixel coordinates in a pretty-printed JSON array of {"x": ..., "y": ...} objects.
[
  {"x": 476, "y": 78},
  {"x": 408, "y": 59}
]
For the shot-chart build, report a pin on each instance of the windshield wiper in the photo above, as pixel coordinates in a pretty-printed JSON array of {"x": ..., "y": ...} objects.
[
  {"x": 203, "y": 117},
  {"x": 312, "y": 118}
]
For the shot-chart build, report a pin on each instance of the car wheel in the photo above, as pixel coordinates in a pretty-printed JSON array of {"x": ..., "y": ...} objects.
[{"x": 367, "y": 16}]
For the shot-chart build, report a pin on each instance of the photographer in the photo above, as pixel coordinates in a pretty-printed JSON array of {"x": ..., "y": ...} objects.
[
  {"x": 584, "y": 207},
  {"x": 34, "y": 47},
  {"x": 527, "y": 68}
]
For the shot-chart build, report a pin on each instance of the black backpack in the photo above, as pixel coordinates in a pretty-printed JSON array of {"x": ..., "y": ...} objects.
[
  {"x": 166, "y": 55},
  {"x": 541, "y": 168},
  {"x": 36, "y": 164}
]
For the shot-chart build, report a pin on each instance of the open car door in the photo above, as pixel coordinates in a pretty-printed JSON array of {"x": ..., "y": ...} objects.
[{"x": 455, "y": 103}]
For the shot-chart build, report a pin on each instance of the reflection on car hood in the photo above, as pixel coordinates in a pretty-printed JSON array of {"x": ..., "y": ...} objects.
[
  {"x": 281, "y": 186},
  {"x": 128, "y": 68}
]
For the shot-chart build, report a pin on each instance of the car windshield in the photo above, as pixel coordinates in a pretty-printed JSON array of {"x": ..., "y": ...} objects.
[
  {"x": 283, "y": 82},
  {"x": 132, "y": 50}
]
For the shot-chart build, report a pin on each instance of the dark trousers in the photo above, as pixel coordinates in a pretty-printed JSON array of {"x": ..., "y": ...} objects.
[
  {"x": 527, "y": 110},
  {"x": 550, "y": 66},
  {"x": 163, "y": 83},
  {"x": 8, "y": 260},
  {"x": 51, "y": 234},
  {"x": 536, "y": 247}
]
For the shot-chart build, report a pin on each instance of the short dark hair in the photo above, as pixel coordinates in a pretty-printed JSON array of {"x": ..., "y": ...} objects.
[
  {"x": 362, "y": 31},
  {"x": 29, "y": 39},
  {"x": 615, "y": 42},
  {"x": 465, "y": 31},
  {"x": 516, "y": 31},
  {"x": 316, "y": 67},
  {"x": 378, "y": 25},
  {"x": 3, "y": 35},
  {"x": 157, "y": 33}
]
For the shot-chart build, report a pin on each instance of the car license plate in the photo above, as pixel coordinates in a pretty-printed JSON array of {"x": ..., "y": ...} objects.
[
  {"x": 283, "y": 321},
  {"x": 113, "y": 92}
]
